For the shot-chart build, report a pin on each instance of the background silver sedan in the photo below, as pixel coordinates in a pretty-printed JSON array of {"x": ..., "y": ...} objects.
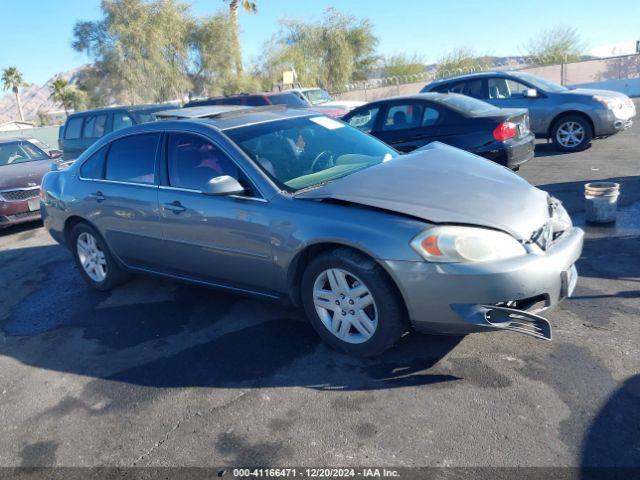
[{"x": 295, "y": 206}]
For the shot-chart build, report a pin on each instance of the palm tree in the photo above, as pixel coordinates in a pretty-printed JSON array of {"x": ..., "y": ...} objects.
[
  {"x": 60, "y": 93},
  {"x": 247, "y": 6},
  {"x": 12, "y": 80}
]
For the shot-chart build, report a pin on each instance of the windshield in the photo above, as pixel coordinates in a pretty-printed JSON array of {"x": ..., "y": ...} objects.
[
  {"x": 20, "y": 152},
  {"x": 317, "y": 95},
  {"x": 301, "y": 152},
  {"x": 541, "y": 83},
  {"x": 467, "y": 105}
]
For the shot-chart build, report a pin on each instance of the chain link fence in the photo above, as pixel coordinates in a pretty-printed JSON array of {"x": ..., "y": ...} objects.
[{"x": 621, "y": 73}]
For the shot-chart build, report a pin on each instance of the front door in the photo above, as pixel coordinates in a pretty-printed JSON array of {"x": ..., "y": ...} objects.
[
  {"x": 218, "y": 239},
  {"x": 508, "y": 93}
]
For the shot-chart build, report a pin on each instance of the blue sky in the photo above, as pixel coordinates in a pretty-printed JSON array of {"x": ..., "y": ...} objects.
[{"x": 35, "y": 35}]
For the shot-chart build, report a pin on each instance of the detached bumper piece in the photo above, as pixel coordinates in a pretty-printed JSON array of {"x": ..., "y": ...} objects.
[
  {"x": 495, "y": 317},
  {"x": 518, "y": 321}
]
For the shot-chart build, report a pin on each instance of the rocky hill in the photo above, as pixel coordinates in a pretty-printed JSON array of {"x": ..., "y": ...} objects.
[{"x": 35, "y": 98}]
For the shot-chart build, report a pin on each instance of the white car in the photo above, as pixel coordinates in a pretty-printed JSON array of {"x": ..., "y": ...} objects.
[{"x": 320, "y": 97}]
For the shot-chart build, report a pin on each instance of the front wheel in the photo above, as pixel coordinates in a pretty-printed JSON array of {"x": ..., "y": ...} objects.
[
  {"x": 352, "y": 303},
  {"x": 571, "y": 134}
]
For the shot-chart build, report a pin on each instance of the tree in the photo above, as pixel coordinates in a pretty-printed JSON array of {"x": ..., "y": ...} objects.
[
  {"x": 555, "y": 45},
  {"x": 461, "y": 61},
  {"x": 142, "y": 47},
  {"x": 329, "y": 53},
  {"x": 234, "y": 5},
  {"x": 12, "y": 80},
  {"x": 401, "y": 64},
  {"x": 68, "y": 96}
]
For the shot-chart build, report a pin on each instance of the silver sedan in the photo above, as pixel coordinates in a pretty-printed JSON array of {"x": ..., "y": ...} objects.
[{"x": 294, "y": 206}]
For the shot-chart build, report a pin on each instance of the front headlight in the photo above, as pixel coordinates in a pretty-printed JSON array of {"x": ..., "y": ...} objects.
[
  {"x": 608, "y": 102},
  {"x": 454, "y": 244}
]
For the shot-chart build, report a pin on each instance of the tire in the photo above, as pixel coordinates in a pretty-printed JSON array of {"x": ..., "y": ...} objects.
[
  {"x": 365, "y": 336},
  {"x": 95, "y": 262},
  {"x": 571, "y": 133}
]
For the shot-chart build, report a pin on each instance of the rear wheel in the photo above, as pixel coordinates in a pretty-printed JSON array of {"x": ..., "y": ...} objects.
[
  {"x": 96, "y": 264},
  {"x": 571, "y": 133},
  {"x": 352, "y": 303}
]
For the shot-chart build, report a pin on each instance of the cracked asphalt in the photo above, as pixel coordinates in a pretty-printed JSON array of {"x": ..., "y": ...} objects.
[{"x": 163, "y": 374}]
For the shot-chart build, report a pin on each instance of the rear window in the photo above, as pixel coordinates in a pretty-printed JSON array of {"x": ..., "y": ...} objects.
[
  {"x": 256, "y": 101},
  {"x": 467, "y": 105},
  {"x": 132, "y": 159},
  {"x": 288, "y": 99},
  {"x": 73, "y": 129}
]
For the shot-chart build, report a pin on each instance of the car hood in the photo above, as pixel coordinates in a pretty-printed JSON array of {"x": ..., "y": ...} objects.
[
  {"x": 23, "y": 175},
  {"x": 442, "y": 184},
  {"x": 593, "y": 91}
]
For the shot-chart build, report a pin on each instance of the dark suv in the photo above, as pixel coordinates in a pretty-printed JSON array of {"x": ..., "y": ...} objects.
[{"x": 83, "y": 128}]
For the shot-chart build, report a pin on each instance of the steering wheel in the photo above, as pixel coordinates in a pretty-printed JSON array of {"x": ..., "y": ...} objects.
[{"x": 324, "y": 156}]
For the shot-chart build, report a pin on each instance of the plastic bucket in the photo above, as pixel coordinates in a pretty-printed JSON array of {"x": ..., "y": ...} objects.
[{"x": 601, "y": 201}]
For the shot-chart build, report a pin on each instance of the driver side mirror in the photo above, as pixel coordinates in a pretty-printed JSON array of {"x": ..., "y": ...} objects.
[
  {"x": 223, "y": 185},
  {"x": 55, "y": 153},
  {"x": 530, "y": 93}
]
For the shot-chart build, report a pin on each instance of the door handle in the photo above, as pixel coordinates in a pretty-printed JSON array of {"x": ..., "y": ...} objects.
[
  {"x": 97, "y": 196},
  {"x": 175, "y": 207}
]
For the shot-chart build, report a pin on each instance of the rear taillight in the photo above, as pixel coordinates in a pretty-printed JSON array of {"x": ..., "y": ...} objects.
[{"x": 505, "y": 131}]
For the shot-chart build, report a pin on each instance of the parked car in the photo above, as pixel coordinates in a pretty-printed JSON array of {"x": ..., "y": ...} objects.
[
  {"x": 410, "y": 122},
  {"x": 287, "y": 98},
  {"x": 570, "y": 117},
  {"x": 320, "y": 97},
  {"x": 22, "y": 166},
  {"x": 286, "y": 204},
  {"x": 82, "y": 129}
]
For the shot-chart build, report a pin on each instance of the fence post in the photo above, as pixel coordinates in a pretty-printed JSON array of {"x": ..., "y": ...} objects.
[{"x": 365, "y": 90}]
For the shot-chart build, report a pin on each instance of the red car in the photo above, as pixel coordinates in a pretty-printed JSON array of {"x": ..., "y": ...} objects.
[
  {"x": 22, "y": 166},
  {"x": 269, "y": 98}
]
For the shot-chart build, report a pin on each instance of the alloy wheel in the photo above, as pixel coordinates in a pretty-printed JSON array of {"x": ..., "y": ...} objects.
[
  {"x": 345, "y": 305},
  {"x": 91, "y": 257},
  {"x": 570, "y": 134}
]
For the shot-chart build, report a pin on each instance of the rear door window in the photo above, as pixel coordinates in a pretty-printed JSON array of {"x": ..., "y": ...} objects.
[
  {"x": 403, "y": 116},
  {"x": 74, "y": 128},
  {"x": 430, "y": 117},
  {"x": 121, "y": 120},
  {"x": 133, "y": 159},
  {"x": 94, "y": 126}
]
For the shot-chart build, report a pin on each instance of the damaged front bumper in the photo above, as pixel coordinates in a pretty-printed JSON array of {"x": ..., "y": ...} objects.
[{"x": 504, "y": 295}]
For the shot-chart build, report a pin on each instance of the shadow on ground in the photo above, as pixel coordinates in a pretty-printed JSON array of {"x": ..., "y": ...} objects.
[
  {"x": 161, "y": 334},
  {"x": 613, "y": 438}
]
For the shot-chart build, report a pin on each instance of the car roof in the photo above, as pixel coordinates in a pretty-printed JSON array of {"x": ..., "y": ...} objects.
[
  {"x": 435, "y": 96},
  {"x": 128, "y": 108},
  {"x": 200, "y": 111},
  {"x": 470, "y": 76},
  {"x": 223, "y": 120}
]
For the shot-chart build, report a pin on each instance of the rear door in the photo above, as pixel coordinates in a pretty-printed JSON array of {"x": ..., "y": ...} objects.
[
  {"x": 223, "y": 240},
  {"x": 408, "y": 124},
  {"x": 120, "y": 194}
]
